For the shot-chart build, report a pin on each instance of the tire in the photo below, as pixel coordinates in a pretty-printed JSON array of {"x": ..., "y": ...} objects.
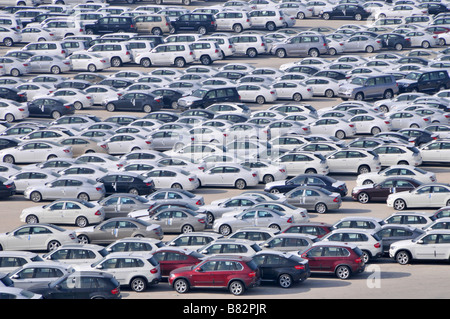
[
  {"x": 321, "y": 208},
  {"x": 403, "y": 257},
  {"x": 187, "y": 229},
  {"x": 425, "y": 44},
  {"x": 240, "y": 184},
  {"x": 300, "y": 15},
  {"x": 147, "y": 108},
  {"x": 202, "y": 30},
  {"x": 270, "y": 26},
  {"x": 133, "y": 191},
  {"x": 314, "y": 53},
  {"x": 9, "y": 118},
  {"x": 332, "y": 51},
  {"x": 55, "y": 69},
  {"x": 236, "y": 288},
  {"x": 442, "y": 41},
  {"x": 329, "y": 93},
  {"x": 89, "y": 31},
  {"x": 268, "y": 179},
  {"x": 363, "y": 198},
  {"x": 359, "y": 96},
  {"x": 116, "y": 62},
  {"x": 388, "y": 94},
  {"x": 310, "y": 171},
  {"x": 8, "y": 42},
  {"x": 365, "y": 256},
  {"x": 180, "y": 62},
  {"x": 83, "y": 196},
  {"x": 281, "y": 53},
  {"x": 181, "y": 285},
  {"x": 205, "y": 60},
  {"x": 367, "y": 182},
  {"x": 398, "y": 47},
  {"x": 186, "y": 2},
  {"x": 78, "y": 105},
  {"x": 81, "y": 221},
  {"x": 52, "y": 245},
  {"x": 297, "y": 97},
  {"x": 146, "y": 63},
  {"x": 343, "y": 272},
  {"x": 225, "y": 230},
  {"x": 252, "y": 53},
  {"x": 9, "y": 159},
  {"x": 363, "y": 169},
  {"x": 340, "y": 134},
  {"x": 275, "y": 226},
  {"x": 138, "y": 284},
  {"x": 274, "y": 191},
  {"x": 237, "y": 28},
  {"x": 358, "y": 17},
  {"x": 326, "y": 16},
  {"x": 157, "y": 31},
  {"x": 209, "y": 218},
  {"x": 399, "y": 204},
  {"x": 285, "y": 281},
  {"x": 260, "y": 99},
  {"x": 414, "y": 125},
  {"x": 83, "y": 239},
  {"x": 176, "y": 186},
  {"x": 375, "y": 130},
  {"x": 56, "y": 115},
  {"x": 15, "y": 72},
  {"x": 110, "y": 107},
  {"x": 384, "y": 108},
  {"x": 36, "y": 197},
  {"x": 92, "y": 68},
  {"x": 32, "y": 219},
  {"x": 370, "y": 49}
]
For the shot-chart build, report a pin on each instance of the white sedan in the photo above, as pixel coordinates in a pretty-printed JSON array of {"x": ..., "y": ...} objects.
[
  {"x": 11, "y": 111},
  {"x": 405, "y": 119},
  {"x": 299, "y": 162},
  {"x": 422, "y": 39},
  {"x": 34, "y": 90},
  {"x": 101, "y": 93},
  {"x": 14, "y": 66},
  {"x": 396, "y": 170},
  {"x": 361, "y": 43},
  {"x": 292, "y": 90},
  {"x": 77, "y": 212},
  {"x": 88, "y": 61},
  {"x": 78, "y": 98},
  {"x": 169, "y": 177},
  {"x": 256, "y": 93},
  {"x": 335, "y": 127},
  {"x": 370, "y": 124},
  {"x": 228, "y": 175},
  {"x": 124, "y": 143},
  {"x": 36, "y": 33},
  {"x": 393, "y": 154},
  {"x": 25, "y": 178},
  {"x": 34, "y": 152},
  {"x": 267, "y": 172},
  {"x": 49, "y": 64},
  {"x": 322, "y": 86}
]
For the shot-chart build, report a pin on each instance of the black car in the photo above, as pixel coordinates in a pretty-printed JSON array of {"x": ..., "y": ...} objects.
[
  {"x": 200, "y": 22},
  {"x": 50, "y": 107},
  {"x": 110, "y": 24},
  {"x": 80, "y": 285},
  {"x": 169, "y": 96},
  {"x": 413, "y": 60},
  {"x": 346, "y": 11},
  {"x": 426, "y": 82},
  {"x": 7, "y": 187},
  {"x": 322, "y": 181},
  {"x": 204, "y": 97},
  {"x": 391, "y": 233},
  {"x": 434, "y": 8},
  {"x": 394, "y": 41},
  {"x": 7, "y": 142},
  {"x": 12, "y": 94},
  {"x": 135, "y": 101},
  {"x": 418, "y": 136},
  {"x": 198, "y": 112},
  {"x": 127, "y": 182},
  {"x": 284, "y": 269}
]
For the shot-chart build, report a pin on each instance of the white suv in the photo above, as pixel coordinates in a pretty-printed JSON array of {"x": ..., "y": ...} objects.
[
  {"x": 117, "y": 53},
  {"x": 178, "y": 54},
  {"x": 136, "y": 269},
  {"x": 53, "y": 48},
  {"x": 433, "y": 245},
  {"x": 206, "y": 51},
  {"x": 236, "y": 21},
  {"x": 64, "y": 27},
  {"x": 249, "y": 44},
  {"x": 269, "y": 19},
  {"x": 224, "y": 43}
]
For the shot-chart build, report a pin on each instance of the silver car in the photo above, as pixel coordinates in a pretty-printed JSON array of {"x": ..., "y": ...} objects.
[
  {"x": 301, "y": 45},
  {"x": 193, "y": 240},
  {"x": 38, "y": 273},
  {"x": 314, "y": 199},
  {"x": 135, "y": 244},
  {"x": 289, "y": 242},
  {"x": 179, "y": 220},
  {"x": 120, "y": 204},
  {"x": 75, "y": 254},
  {"x": 11, "y": 260}
]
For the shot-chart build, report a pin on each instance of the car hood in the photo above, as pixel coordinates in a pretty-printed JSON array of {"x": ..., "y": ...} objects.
[
  {"x": 275, "y": 183},
  {"x": 363, "y": 187},
  {"x": 348, "y": 87},
  {"x": 405, "y": 82},
  {"x": 33, "y": 209},
  {"x": 181, "y": 270},
  {"x": 190, "y": 98}
]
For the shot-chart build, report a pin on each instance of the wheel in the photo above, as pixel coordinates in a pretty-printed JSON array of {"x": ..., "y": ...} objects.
[
  {"x": 425, "y": 44},
  {"x": 133, "y": 191},
  {"x": 9, "y": 118},
  {"x": 187, "y": 229},
  {"x": 375, "y": 130},
  {"x": 51, "y": 156},
  {"x": 83, "y": 196},
  {"x": 205, "y": 60},
  {"x": 240, "y": 184},
  {"x": 181, "y": 285},
  {"x": 55, "y": 69},
  {"x": 260, "y": 99},
  {"x": 300, "y": 15},
  {"x": 268, "y": 179},
  {"x": 8, "y": 159},
  {"x": 359, "y": 96},
  {"x": 92, "y": 68},
  {"x": 180, "y": 62},
  {"x": 340, "y": 134},
  {"x": 56, "y": 115},
  {"x": 176, "y": 186},
  {"x": 156, "y": 31},
  {"x": 343, "y": 272},
  {"x": 402, "y": 163},
  {"x": 186, "y": 2},
  {"x": 138, "y": 284},
  {"x": 314, "y": 53},
  {"x": 252, "y": 53},
  {"x": 332, "y": 51},
  {"x": 414, "y": 125},
  {"x": 15, "y": 72},
  {"x": 365, "y": 256},
  {"x": 367, "y": 182},
  {"x": 274, "y": 191},
  {"x": 8, "y": 42},
  {"x": 321, "y": 208},
  {"x": 370, "y": 49},
  {"x": 399, "y": 204},
  {"x": 209, "y": 218},
  {"x": 384, "y": 108},
  {"x": 147, "y": 108},
  {"x": 202, "y": 30},
  {"x": 81, "y": 221},
  {"x": 270, "y": 26},
  {"x": 36, "y": 197},
  {"x": 363, "y": 169},
  {"x": 297, "y": 97},
  {"x": 225, "y": 230},
  {"x": 310, "y": 171},
  {"x": 52, "y": 245},
  {"x": 83, "y": 239},
  {"x": 32, "y": 219},
  {"x": 398, "y": 47},
  {"x": 110, "y": 107},
  {"x": 281, "y": 53},
  {"x": 388, "y": 94},
  {"x": 285, "y": 281},
  {"x": 329, "y": 93},
  {"x": 363, "y": 198},
  {"x": 116, "y": 62},
  {"x": 236, "y": 288},
  {"x": 146, "y": 63},
  {"x": 237, "y": 28},
  {"x": 402, "y": 257},
  {"x": 275, "y": 226},
  {"x": 89, "y": 31},
  {"x": 78, "y": 105},
  {"x": 442, "y": 41},
  {"x": 326, "y": 16},
  {"x": 358, "y": 17}
]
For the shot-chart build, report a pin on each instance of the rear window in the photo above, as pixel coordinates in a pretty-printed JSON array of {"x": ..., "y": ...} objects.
[
  {"x": 252, "y": 265},
  {"x": 153, "y": 261},
  {"x": 358, "y": 251},
  {"x": 256, "y": 247}
]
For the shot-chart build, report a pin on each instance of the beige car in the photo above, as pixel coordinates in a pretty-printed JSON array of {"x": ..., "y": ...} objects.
[
  {"x": 83, "y": 145},
  {"x": 157, "y": 24}
]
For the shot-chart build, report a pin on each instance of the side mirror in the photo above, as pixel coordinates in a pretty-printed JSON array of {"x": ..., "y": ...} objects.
[
  {"x": 199, "y": 269},
  {"x": 420, "y": 242}
]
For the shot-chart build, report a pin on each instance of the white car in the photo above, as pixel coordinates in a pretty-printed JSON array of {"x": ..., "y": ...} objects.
[
  {"x": 353, "y": 161},
  {"x": 14, "y": 66},
  {"x": 361, "y": 43},
  {"x": 115, "y": 53},
  {"x": 394, "y": 154},
  {"x": 34, "y": 90},
  {"x": 224, "y": 43},
  {"x": 24, "y": 179},
  {"x": 257, "y": 93},
  {"x": 88, "y": 61},
  {"x": 101, "y": 93},
  {"x": 292, "y": 90},
  {"x": 80, "y": 99},
  {"x": 420, "y": 220},
  {"x": 206, "y": 52},
  {"x": 422, "y": 39},
  {"x": 299, "y": 162},
  {"x": 236, "y": 21},
  {"x": 178, "y": 54},
  {"x": 123, "y": 143},
  {"x": 405, "y": 119},
  {"x": 251, "y": 45},
  {"x": 9, "y": 36},
  {"x": 426, "y": 195},
  {"x": 228, "y": 175},
  {"x": 436, "y": 151},
  {"x": 34, "y": 152},
  {"x": 296, "y": 9},
  {"x": 341, "y": 129},
  {"x": 111, "y": 163},
  {"x": 75, "y": 212},
  {"x": 239, "y": 247},
  {"x": 394, "y": 170},
  {"x": 169, "y": 177},
  {"x": 433, "y": 245},
  {"x": 322, "y": 86},
  {"x": 235, "y": 205},
  {"x": 370, "y": 124},
  {"x": 36, "y": 33},
  {"x": 11, "y": 111},
  {"x": 49, "y": 64},
  {"x": 269, "y": 19},
  {"x": 267, "y": 172}
]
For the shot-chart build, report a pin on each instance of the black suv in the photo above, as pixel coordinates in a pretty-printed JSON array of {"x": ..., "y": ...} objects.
[
  {"x": 80, "y": 285},
  {"x": 425, "y": 81},
  {"x": 111, "y": 24},
  {"x": 200, "y": 22},
  {"x": 204, "y": 97}
]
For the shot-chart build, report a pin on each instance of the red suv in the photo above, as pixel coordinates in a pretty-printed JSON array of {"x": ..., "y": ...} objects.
[
  {"x": 340, "y": 259},
  {"x": 310, "y": 228},
  {"x": 171, "y": 258},
  {"x": 236, "y": 273}
]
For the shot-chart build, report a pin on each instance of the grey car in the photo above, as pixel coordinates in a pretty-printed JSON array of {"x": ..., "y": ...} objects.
[
  {"x": 301, "y": 45},
  {"x": 170, "y": 194},
  {"x": 390, "y": 234},
  {"x": 289, "y": 242},
  {"x": 76, "y": 254},
  {"x": 120, "y": 204},
  {"x": 11, "y": 260},
  {"x": 193, "y": 240},
  {"x": 369, "y": 87},
  {"x": 117, "y": 228},
  {"x": 178, "y": 220},
  {"x": 39, "y": 272},
  {"x": 314, "y": 199}
]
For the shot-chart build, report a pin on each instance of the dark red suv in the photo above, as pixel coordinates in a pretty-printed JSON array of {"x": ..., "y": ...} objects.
[
  {"x": 341, "y": 259},
  {"x": 235, "y": 273},
  {"x": 171, "y": 258}
]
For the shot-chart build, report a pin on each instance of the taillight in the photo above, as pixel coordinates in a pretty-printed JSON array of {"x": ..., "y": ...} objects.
[
  {"x": 127, "y": 53},
  {"x": 25, "y": 64},
  {"x": 351, "y": 125},
  {"x": 254, "y": 175},
  {"x": 115, "y": 291},
  {"x": 103, "y": 146},
  {"x": 201, "y": 220},
  {"x": 252, "y": 274},
  {"x": 119, "y": 165},
  {"x": 63, "y": 52},
  {"x": 191, "y": 179},
  {"x": 282, "y": 170},
  {"x": 387, "y": 122},
  {"x": 148, "y": 142},
  {"x": 67, "y": 106},
  {"x": 149, "y": 185},
  {"x": 66, "y": 151},
  {"x": 9, "y": 185},
  {"x": 201, "y": 168},
  {"x": 97, "y": 213},
  {"x": 199, "y": 202},
  {"x": 290, "y": 220},
  {"x": 299, "y": 267},
  {"x": 377, "y": 245},
  {"x": 21, "y": 110},
  {"x": 425, "y": 119},
  {"x": 98, "y": 189},
  {"x": 358, "y": 260},
  {"x": 336, "y": 199},
  {"x": 154, "y": 271},
  {"x": 191, "y": 53}
]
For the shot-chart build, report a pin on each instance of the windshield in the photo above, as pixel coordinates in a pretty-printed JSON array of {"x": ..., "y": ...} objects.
[
  {"x": 413, "y": 76},
  {"x": 358, "y": 81},
  {"x": 199, "y": 93}
]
